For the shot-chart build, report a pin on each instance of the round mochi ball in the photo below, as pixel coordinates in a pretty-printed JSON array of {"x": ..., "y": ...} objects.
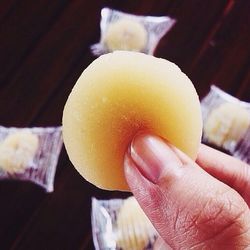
[
  {"x": 119, "y": 95},
  {"x": 125, "y": 34}
]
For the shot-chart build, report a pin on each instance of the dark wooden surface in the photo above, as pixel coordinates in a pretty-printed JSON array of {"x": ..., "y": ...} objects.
[{"x": 44, "y": 47}]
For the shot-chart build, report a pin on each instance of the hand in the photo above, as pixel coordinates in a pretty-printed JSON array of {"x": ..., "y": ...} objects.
[{"x": 202, "y": 205}]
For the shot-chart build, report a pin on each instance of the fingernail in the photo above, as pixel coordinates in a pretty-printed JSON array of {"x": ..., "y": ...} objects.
[{"x": 153, "y": 156}]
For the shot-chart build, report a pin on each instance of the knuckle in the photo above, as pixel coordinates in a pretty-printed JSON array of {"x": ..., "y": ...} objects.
[
  {"x": 222, "y": 218},
  {"x": 224, "y": 210}
]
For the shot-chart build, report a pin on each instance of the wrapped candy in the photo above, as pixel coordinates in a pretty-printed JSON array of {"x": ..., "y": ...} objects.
[
  {"x": 121, "y": 224},
  {"x": 226, "y": 122},
  {"x": 30, "y": 154},
  {"x": 122, "y": 31}
]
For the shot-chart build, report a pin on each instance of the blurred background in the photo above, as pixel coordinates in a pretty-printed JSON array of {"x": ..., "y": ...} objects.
[{"x": 44, "y": 47}]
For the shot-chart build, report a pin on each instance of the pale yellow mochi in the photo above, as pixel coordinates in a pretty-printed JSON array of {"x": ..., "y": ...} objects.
[
  {"x": 125, "y": 34},
  {"x": 117, "y": 96}
]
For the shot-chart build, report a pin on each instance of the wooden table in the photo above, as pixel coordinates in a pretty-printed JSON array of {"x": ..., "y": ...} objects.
[{"x": 44, "y": 47}]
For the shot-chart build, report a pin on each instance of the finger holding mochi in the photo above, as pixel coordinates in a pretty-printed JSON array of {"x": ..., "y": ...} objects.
[{"x": 119, "y": 95}]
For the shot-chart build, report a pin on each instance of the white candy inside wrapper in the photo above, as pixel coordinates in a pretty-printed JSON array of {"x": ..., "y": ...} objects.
[
  {"x": 227, "y": 123},
  {"x": 17, "y": 151},
  {"x": 30, "y": 154},
  {"x": 122, "y": 31},
  {"x": 121, "y": 224}
]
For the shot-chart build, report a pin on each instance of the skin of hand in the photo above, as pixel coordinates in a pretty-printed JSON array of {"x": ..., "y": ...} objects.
[{"x": 193, "y": 205}]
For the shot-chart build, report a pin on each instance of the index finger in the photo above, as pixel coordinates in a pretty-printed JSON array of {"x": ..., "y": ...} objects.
[{"x": 227, "y": 169}]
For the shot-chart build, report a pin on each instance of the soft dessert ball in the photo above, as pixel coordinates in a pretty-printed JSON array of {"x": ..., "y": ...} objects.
[
  {"x": 134, "y": 229},
  {"x": 118, "y": 95},
  {"x": 227, "y": 124},
  {"x": 125, "y": 34},
  {"x": 17, "y": 150}
]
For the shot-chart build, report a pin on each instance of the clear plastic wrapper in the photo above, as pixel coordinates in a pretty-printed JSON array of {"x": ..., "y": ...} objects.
[
  {"x": 119, "y": 224},
  {"x": 122, "y": 31},
  {"x": 30, "y": 154},
  {"x": 226, "y": 122},
  {"x": 242, "y": 150}
]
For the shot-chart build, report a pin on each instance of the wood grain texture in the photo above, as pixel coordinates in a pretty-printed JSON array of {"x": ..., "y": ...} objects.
[
  {"x": 44, "y": 48},
  {"x": 225, "y": 61},
  {"x": 22, "y": 29},
  {"x": 7, "y": 6}
]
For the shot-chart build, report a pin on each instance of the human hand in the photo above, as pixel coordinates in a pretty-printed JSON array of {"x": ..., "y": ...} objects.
[{"x": 202, "y": 205}]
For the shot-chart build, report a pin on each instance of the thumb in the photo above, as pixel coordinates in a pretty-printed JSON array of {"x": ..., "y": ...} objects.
[{"x": 188, "y": 207}]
